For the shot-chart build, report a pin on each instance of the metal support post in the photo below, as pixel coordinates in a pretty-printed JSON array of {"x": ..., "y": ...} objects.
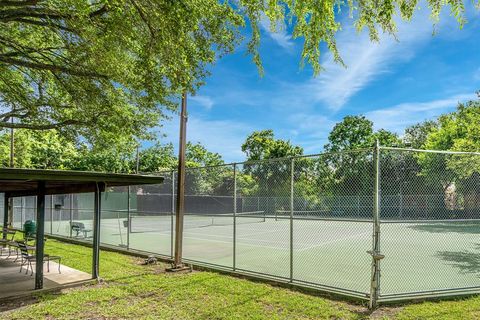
[
  {"x": 51, "y": 214},
  {"x": 10, "y": 213},
  {"x": 22, "y": 211},
  {"x": 5, "y": 214},
  {"x": 292, "y": 181},
  {"x": 71, "y": 214},
  {"x": 129, "y": 221},
  {"x": 96, "y": 231},
  {"x": 234, "y": 216},
  {"x": 375, "y": 252},
  {"x": 39, "y": 241}
]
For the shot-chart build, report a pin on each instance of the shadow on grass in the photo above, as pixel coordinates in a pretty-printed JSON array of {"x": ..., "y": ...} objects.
[{"x": 450, "y": 227}]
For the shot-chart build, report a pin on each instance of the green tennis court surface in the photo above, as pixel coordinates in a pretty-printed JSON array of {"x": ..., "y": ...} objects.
[{"x": 419, "y": 256}]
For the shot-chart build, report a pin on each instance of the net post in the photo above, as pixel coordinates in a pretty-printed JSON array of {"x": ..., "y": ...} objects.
[
  {"x": 292, "y": 172},
  {"x": 375, "y": 252},
  {"x": 129, "y": 221},
  {"x": 234, "y": 216}
]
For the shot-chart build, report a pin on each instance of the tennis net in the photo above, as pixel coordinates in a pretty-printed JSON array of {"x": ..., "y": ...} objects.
[
  {"x": 163, "y": 221},
  {"x": 330, "y": 214}
]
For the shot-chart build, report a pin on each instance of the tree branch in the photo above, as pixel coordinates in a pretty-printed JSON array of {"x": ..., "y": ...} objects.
[
  {"x": 11, "y": 3},
  {"x": 25, "y": 52},
  {"x": 143, "y": 17},
  {"x": 31, "y": 12},
  {"x": 42, "y": 24},
  {"x": 50, "y": 67},
  {"x": 46, "y": 126},
  {"x": 99, "y": 12}
]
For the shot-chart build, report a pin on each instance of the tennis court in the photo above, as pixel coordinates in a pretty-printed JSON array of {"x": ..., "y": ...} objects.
[
  {"x": 419, "y": 256},
  {"x": 310, "y": 220}
]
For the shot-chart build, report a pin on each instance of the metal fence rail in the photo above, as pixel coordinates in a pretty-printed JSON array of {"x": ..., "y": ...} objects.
[{"x": 325, "y": 221}]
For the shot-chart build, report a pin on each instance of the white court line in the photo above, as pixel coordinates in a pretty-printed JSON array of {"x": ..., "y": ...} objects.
[
  {"x": 260, "y": 232},
  {"x": 243, "y": 236},
  {"x": 277, "y": 242},
  {"x": 230, "y": 242},
  {"x": 333, "y": 241},
  {"x": 238, "y": 238}
]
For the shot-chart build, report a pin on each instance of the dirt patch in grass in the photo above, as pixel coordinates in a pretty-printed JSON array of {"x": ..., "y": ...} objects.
[
  {"x": 385, "y": 313},
  {"x": 17, "y": 303}
]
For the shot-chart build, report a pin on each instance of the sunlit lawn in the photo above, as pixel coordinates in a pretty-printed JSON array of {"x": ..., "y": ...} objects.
[{"x": 133, "y": 291}]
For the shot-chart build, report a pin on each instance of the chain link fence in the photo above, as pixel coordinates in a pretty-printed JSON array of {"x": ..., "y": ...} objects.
[{"x": 326, "y": 221}]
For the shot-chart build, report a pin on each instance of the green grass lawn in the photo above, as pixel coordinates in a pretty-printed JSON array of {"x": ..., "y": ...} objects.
[{"x": 134, "y": 291}]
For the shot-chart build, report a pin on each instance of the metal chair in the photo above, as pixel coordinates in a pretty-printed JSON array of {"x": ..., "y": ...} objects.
[
  {"x": 27, "y": 259},
  {"x": 9, "y": 238}
]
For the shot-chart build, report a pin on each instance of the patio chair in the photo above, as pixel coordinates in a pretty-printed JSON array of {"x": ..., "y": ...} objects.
[
  {"x": 13, "y": 246},
  {"x": 79, "y": 228},
  {"x": 9, "y": 238},
  {"x": 28, "y": 258}
]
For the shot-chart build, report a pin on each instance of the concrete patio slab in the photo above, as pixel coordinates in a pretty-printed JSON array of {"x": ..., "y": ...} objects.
[{"x": 13, "y": 282}]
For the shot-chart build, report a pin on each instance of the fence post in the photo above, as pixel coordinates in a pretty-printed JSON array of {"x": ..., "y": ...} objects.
[
  {"x": 51, "y": 214},
  {"x": 71, "y": 214},
  {"x": 292, "y": 171},
  {"x": 172, "y": 238},
  {"x": 234, "y": 216},
  {"x": 129, "y": 221},
  {"x": 22, "y": 212},
  {"x": 375, "y": 252}
]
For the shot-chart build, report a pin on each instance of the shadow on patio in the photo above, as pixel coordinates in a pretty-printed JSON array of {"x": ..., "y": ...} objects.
[{"x": 15, "y": 283}]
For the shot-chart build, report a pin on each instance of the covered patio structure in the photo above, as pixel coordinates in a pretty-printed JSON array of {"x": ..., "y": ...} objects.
[{"x": 40, "y": 183}]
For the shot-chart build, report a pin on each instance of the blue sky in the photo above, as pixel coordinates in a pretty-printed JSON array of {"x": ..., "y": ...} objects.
[{"x": 394, "y": 83}]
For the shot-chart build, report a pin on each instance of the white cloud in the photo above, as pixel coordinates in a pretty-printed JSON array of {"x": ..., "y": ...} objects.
[
  {"x": 204, "y": 101},
  {"x": 366, "y": 61},
  {"x": 280, "y": 36},
  {"x": 398, "y": 117}
]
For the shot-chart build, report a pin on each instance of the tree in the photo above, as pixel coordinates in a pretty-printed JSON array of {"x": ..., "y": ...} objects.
[
  {"x": 272, "y": 178},
  {"x": 261, "y": 145},
  {"x": 416, "y": 135},
  {"x": 353, "y": 132},
  {"x": 349, "y": 161},
  {"x": 118, "y": 157},
  {"x": 48, "y": 149},
  {"x": 456, "y": 131},
  {"x": 86, "y": 67},
  {"x": 157, "y": 158},
  {"x": 40, "y": 150},
  {"x": 356, "y": 132},
  {"x": 197, "y": 155}
]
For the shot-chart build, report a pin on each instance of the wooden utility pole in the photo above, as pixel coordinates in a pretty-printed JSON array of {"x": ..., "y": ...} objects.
[
  {"x": 137, "y": 159},
  {"x": 180, "y": 204}
]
